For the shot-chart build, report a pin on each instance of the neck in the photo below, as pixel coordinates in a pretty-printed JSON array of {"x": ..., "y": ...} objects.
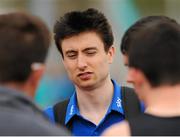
[
  {"x": 94, "y": 104},
  {"x": 20, "y": 86},
  {"x": 164, "y": 101}
]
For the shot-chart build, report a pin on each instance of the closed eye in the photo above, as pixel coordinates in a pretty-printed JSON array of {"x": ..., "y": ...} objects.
[
  {"x": 71, "y": 54},
  {"x": 90, "y": 51}
]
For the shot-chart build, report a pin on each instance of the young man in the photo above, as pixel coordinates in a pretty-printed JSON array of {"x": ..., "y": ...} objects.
[
  {"x": 155, "y": 68},
  {"x": 24, "y": 42},
  {"x": 85, "y": 41}
]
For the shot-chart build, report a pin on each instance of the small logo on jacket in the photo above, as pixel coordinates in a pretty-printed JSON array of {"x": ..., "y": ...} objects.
[
  {"x": 118, "y": 102},
  {"x": 71, "y": 110}
]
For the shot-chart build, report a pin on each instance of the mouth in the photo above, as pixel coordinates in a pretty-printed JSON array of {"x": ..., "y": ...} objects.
[{"x": 85, "y": 75}]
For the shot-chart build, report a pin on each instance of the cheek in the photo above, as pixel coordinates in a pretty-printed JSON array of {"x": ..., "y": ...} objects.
[
  {"x": 103, "y": 65},
  {"x": 130, "y": 79},
  {"x": 125, "y": 60},
  {"x": 69, "y": 67}
]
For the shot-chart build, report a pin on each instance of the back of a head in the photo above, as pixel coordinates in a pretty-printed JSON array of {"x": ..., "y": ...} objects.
[
  {"x": 155, "y": 51},
  {"x": 137, "y": 27},
  {"x": 24, "y": 39},
  {"x": 76, "y": 22}
]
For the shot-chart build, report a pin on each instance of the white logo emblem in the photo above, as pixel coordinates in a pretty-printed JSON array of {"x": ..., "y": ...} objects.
[
  {"x": 71, "y": 110},
  {"x": 118, "y": 102}
]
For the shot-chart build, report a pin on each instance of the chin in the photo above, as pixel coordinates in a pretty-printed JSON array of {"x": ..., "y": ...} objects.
[{"x": 87, "y": 85}]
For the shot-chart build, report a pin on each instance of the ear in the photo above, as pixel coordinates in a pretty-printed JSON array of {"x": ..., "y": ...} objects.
[
  {"x": 137, "y": 77},
  {"x": 111, "y": 53},
  {"x": 34, "y": 78}
]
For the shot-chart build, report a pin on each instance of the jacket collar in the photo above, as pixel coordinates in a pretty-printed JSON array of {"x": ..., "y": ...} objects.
[{"x": 116, "y": 104}]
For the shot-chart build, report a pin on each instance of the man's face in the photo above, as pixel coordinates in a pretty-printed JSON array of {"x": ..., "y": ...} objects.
[
  {"x": 85, "y": 59},
  {"x": 129, "y": 78}
]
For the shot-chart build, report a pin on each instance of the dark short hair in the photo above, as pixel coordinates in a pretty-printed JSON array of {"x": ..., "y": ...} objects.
[
  {"x": 138, "y": 26},
  {"x": 24, "y": 39},
  {"x": 76, "y": 22},
  {"x": 156, "y": 52}
]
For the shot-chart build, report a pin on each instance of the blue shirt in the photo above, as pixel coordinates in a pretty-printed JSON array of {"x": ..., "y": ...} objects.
[{"x": 84, "y": 127}]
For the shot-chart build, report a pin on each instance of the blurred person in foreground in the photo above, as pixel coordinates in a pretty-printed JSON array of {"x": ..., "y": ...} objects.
[
  {"x": 154, "y": 66},
  {"x": 24, "y": 42},
  {"x": 128, "y": 38},
  {"x": 85, "y": 41}
]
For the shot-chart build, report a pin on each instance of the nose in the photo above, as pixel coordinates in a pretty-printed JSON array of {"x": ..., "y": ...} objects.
[{"x": 81, "y": 62}]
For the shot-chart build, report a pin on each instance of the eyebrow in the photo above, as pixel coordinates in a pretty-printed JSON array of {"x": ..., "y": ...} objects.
[
  {"x": 70, "y": 51},
  {"x": 90, "y": 48},
  {"x": 74, "y": 51}
]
